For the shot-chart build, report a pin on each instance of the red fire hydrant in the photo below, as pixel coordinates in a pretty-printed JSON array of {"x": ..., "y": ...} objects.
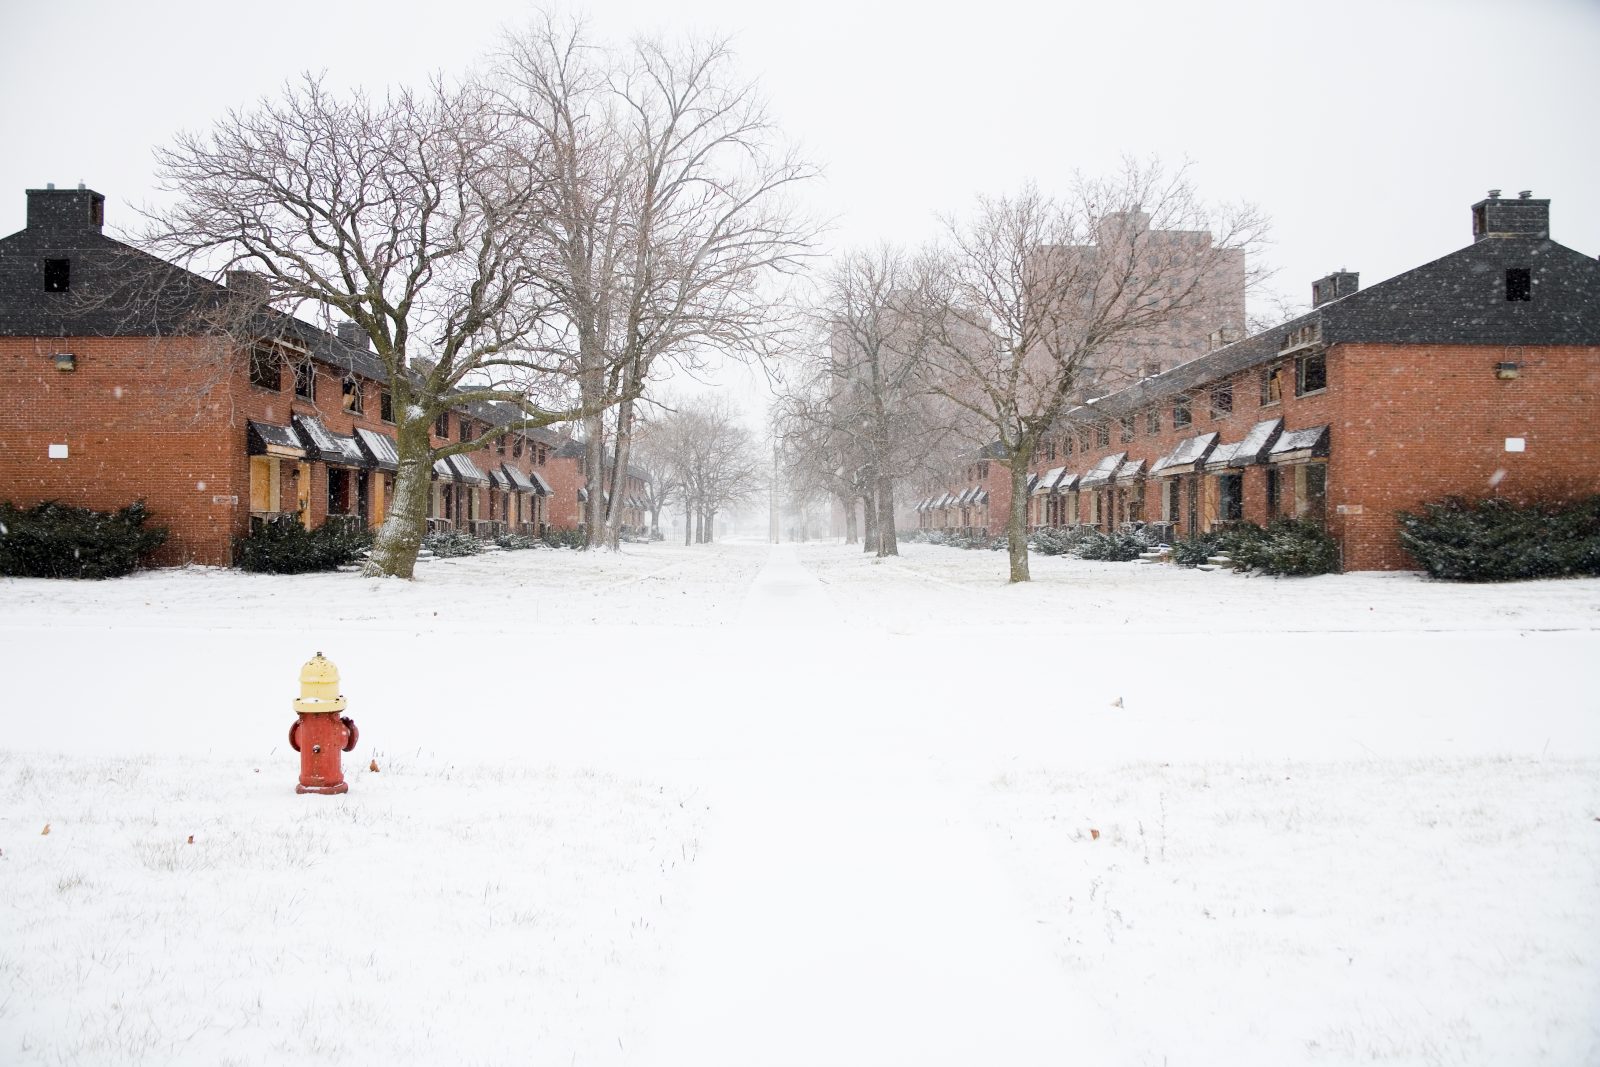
[{"x": 321, "y": 733}]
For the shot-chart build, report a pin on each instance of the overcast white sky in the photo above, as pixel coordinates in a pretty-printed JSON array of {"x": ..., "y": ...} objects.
[{"x": 1364, "y": 129}]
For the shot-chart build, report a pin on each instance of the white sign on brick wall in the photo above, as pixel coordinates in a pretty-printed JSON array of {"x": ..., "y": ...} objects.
[
  {"x": 58, "y": 451},
  {"x": 1516, "y": 444}
]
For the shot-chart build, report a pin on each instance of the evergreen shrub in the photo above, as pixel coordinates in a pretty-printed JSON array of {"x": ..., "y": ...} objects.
[
  {"x": 448, "y": 544},
  {"x": 55, "y": 540},
  {"x": 1193, "y": 551},
  {"x": 516, "y": 542},
  {"x": 564, "y": 537},
  {"x": 1292, "y": 547},
  {"x": 1116, "y": 547},
  {"x": 283, "y": 546},
  {"x": 1495, "y": 540}
]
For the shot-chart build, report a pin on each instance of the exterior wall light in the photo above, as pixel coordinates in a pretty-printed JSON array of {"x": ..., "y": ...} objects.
[
  {"x": 65, "y": 361},
  {"x": 1507, "y": 371}
]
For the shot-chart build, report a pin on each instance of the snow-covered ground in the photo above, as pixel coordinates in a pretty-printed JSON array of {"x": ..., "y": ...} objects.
[{"x": 737, "y": 805}]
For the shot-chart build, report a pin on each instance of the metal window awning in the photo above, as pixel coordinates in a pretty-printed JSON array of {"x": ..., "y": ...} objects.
[
  {"x": 518, "y": 480},
  {"x": 981, "y": 497},
  {"x": 1101, "y": 473},
  {"x": 1047, "y": 481},
  {"x": 1300, "y": 446},
  {"x": 499, "y": 480},
  {"x": 467, "y": 472},
  {"x": 379, "y": 450},
  {"x": 1221, "y": 456},
  {"x": 1131, "y": 470},
  {"x": 1257, "y": 443},
  {"x": 1189, "y": 454},
  {"x": 323, "y": 444},
  {"x": 265, "y": 439},
  {"x": 540, "y": 486},
  {"x": 443, "y": 471}
]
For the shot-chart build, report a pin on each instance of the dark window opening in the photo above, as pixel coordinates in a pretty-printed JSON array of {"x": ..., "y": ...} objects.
[
  {"x": 1180, "y": 412},
  {"x": 266, "y": 368},
  {"x": 1231, "y": 492},
  {"x": 1311, "y": 373},
  {"x": 305, "y": 379},
  {"x": 466, "y": 429},
  {"x": 339, "y": 499},
  {"x": 354, "y": 395},
  {"x": 516, "y": 447},
  {"x": 1519, "y": 283},
  {"x": 1152, "y": 421},
  {"x": 1102, "y": 435},
  {"x": 500, "y": 445},
  {"x": 1271, "y": 386},
  {"x": 1272, "y": 492},
  {"x": 1066, "y": 444},
  {"x": 57, "y": 275},
  {"x": 1222, "y": 401},
  {"x": 385, "y": 405},
  {"x": 441, "y": 425},
  {"x": 1129, "y": 428},
  {"x": 983, "y": 471}
]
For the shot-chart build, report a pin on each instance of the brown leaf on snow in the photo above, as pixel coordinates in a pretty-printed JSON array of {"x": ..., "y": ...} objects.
[
  {"x": 373, "y": 766},
  {"x": 191, "y": 839},
  {"x": 1094, "y": 834},
  {"x": 46, "y": 830}
]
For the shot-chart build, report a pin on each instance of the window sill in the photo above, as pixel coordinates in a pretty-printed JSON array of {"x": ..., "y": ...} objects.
[{"x": 1310, "y": 392}]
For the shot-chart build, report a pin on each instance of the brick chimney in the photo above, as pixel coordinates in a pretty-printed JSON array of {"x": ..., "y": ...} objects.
[
  {"x": 354, "y": 336},
  {"x": 1522, "y": 217},
  {"x": 250, "y": 285},
  {"x": 64, "y": 210},
  {"x": 1339, "y": 283}
]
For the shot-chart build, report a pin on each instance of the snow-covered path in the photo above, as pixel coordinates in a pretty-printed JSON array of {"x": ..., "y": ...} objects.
[{"x": 850, "y": 910}]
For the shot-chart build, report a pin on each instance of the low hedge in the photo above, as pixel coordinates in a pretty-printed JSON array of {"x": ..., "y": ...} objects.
[
  {"x": 283, "y": 546},
  {"x": 449, "y": 544},
  {"x": 55, "y": 540},
  {"x": 1117, "y": 547},
  {"x": 1495, "y": 540}
]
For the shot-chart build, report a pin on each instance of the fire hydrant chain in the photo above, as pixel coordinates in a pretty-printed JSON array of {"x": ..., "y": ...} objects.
[{"x": 327, "y": 732}]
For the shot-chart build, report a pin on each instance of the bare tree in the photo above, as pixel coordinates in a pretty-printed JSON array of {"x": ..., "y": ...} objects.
[
  {"x": 652, "y": 457},
  {"x": 715, "y": 460},
  {"x": 669, "y": 211},
  {"x": 1031, "y": 294},
  {"x": 410, "y": 216}
]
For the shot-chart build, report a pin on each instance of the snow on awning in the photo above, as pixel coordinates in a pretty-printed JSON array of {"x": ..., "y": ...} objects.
[
  {"x": 981, "y": 497},
  {"x": 945, "y": 501},
  {"x": 443, "y": 471},
  {"x": 265, "y": 439},
  {"x": 1221, "y": 455},
  {"x": 1185, "y": 456},
  {"x": 325, "y": 445},
  {"x": 1047, "y": 481},
  {"x": 540, "y": 486},
  {"x": 1101, "y": 473},
  {"x": 467, "y": 471},
  {"x": 1129, "y": 471},
  {"x": 518, "y": 480},
  {"x": 379, "y": 450},
  {"x": 1301, "y": 446},
  {"x": 500, "y": 480},
  {"x": 1256, "y": 443}
]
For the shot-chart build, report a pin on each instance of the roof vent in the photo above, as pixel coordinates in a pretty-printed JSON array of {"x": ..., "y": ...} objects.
[{"x": 1526, "y": 194}]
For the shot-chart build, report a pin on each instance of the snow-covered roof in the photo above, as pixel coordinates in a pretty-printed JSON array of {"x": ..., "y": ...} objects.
[
  {"x": 1047, "y": 481},
  {"x": 265, "y": 439},
  {"x": 1128, "y": 471},
  {"x": 467, "y": 471},
  {"x": 328, "y": 446},
  {"x": 1253, "y": 449}
]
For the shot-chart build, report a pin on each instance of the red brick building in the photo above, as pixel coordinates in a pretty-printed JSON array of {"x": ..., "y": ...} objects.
[
  {"x": 1475, "y": 375},
  {"x": 116, "y": 395}
]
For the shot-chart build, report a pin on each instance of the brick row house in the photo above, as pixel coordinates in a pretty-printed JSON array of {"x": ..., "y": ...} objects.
[
  {"x": 117, "y": 395},
  {"x": 1474, "y": 375}
]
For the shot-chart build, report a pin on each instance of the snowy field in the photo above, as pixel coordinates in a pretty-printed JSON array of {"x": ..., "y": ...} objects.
[{"x": 735, "y": 805}]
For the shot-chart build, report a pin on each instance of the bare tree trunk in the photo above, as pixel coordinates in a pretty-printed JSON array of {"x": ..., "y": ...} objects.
[
  {"x": 688, "y": 518},
  {"x": 619, "y": 474},
  {"x": 851, "y": 531},
  {"x": 1017, "y": 526},
  {"x": 887, "y": 544},
  {"x": 594, "y": 473},
  {"x": 699, "y": 527},
  {"x": 711, "y": 523},
  {"x": 869, "y": 524},
  {"x": 394, "y": 551}
]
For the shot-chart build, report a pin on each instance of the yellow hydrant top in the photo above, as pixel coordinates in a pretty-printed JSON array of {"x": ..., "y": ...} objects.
[{"x": 319, "y": 687}]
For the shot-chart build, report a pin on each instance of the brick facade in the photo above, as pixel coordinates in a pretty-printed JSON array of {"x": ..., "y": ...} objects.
[{"x": 1475, "y": 375}]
